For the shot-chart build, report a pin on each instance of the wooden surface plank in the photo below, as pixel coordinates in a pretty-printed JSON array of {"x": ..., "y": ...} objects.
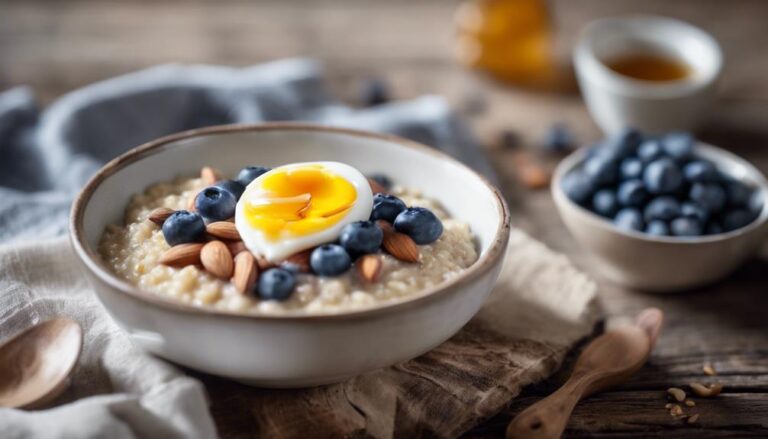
[{"x": 57, "y": 46}]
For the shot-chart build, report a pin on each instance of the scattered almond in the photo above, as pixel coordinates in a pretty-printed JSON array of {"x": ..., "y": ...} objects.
[
  {"x": 300, "y": 260},
  {"x": 223, "y": 230},
  {"x": 693, "y": 418},
  {"x": 209, "y": 175},
  {"x": 668, "y": 405},
  {"x": 217, "y": 259},
  {"x": 182, "y": 255},
  {"x": 709, "y": 370},
  {"x": 245, "y": 273},
  {"x": 399, "y": 245},
  {"x": 376, "y": 188},
  {"x": 706, "y": 392},
  {"x": 676, "y": 410},
  {"x": 159, "y": 215},
  {"x": 690, "y": 403},
  {"x": 678, "y": 394},
  {"x": 235, "y": 247},
  {"x": 369, "y": 267},
  {"x": 533, "y": 176}
]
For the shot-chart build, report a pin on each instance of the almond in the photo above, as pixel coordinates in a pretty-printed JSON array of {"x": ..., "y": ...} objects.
[
  {"x": 397, "y": 244},
  {"x": 299, "y": 260},
  {"x": 369, "y": 267},
  {"x": 263, "y": 263},
  {"x": 159, "y": 215},
  {"x": 182, "y": 255},
  {"x": 236, "y": 247},
  {"x": 246, "y": 272},
  {"x": 217, "y": 259},
  {"x": 209, "y": 175},
  {"x": 376, "y": 188},
  {"x": 223, "y": 230}
]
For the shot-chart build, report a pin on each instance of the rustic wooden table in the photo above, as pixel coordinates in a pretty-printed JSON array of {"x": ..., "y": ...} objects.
[{"x": 57, "y": 46}]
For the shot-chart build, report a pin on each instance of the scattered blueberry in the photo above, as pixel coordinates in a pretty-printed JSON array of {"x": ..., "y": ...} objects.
[
  {"x": 577, "y": 187},
  {"x": 330, "y": 260},
  {"x": 247, "y": 175},
  {"x": 601, "y": 169},
  {"x": 233, "y": 186},
  {"x": 386, "y": 207},
  {"x": 215, "y": 203},
  {"x": 558, "y": 138},
  {"x": 657, "y": 228},
  {"x": 373, "y": 91},
  {"x": 738, "y": 193},
  {"x": 693, "y": 210},
  {"x": 632, "y": 193},
  {"x": 736, "y": 219},
  {"x": 700, "y": 171},
  {"x": 678, "y": 145},
  {"x": 663, "y": 208},
  {"x": 182, "y": 227},
  {"x": 710, "y": 196},
  {"x": 631, "y": 168},
  {"x": 685, "y": 226},
  {"x": 629, "y": 218},
  {"x": 713, "y": 228},
  {"x": 605, "y": 203},
  {"x": 662, "y": 176},
  {"x": 420, "y": 224},
  {"x": 382, "y": 180},
  {"x": 650, "y": 150},
  {"x": 361, "y": 237},
  {"x": 276, "y": 284}
]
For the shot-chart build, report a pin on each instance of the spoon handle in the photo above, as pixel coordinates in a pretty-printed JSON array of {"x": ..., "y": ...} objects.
[{"x": 547, "y": 418}]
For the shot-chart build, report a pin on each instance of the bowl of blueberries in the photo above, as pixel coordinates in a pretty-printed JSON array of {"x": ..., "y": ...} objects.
[{"x": 662, "y": 213}]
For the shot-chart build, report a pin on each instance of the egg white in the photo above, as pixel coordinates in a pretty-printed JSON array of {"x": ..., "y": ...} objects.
[{"x": 275, "y": 251}]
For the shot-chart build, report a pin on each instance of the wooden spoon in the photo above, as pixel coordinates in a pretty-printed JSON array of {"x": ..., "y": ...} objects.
[
  {"x": 609, "y": 360},
  {"x": 35, "y": 364}
]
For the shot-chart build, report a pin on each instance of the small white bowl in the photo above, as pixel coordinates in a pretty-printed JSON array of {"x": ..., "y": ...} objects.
[
  {"x": 296, "y": 349},
  {"x": 664, "y": 264},
  {"x": 616, "y": 101}
]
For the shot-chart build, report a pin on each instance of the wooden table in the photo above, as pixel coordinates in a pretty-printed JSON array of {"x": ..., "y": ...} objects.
[{"x": 57, "y": 46}]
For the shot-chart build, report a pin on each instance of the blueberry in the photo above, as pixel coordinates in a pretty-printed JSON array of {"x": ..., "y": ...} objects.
[
  {"x": 577, "y": 187},
  {"x": 629, "y": 218},
  {"x": 685, "y": 226},
  {"x": 713, "y": 228},
  {"x": 361, "y": 237},
  {"x": 558, "y": 138},
  {"x": 604, "y": 202},
  {"x": 182, "y": 227},
  {"x": 663, "y": 208},
  {"x": 632, "y": 193},
  {"x": 231, "y": 185},
  {"x": 736, "y": 219},
  {"x": 373, "y": 91},
  {"x": 650, "y": 150},
  {"x": 657, "y": 228},
  {"x": 215, "y": 204},
  {"x": 420, "y": 224},
  {"x": 382, "y": 180},
  {"x": 276, "y": 284},
  {"x": 678, "y": 145},
  {"x": 693, "y": 210},
  {"x": 623, "y": 144},
  {"x": 738, "y": 193},
  {"x": 330, "y": 260},
  {"x": 700, "y": 171},
  {"x": 710, "y": 196},
  {"x": 601, "y": 169},
  {"x": 756, "y": 203},
  {"x": 386, "y": 207},
  {"x": 250, "y": 173},
  {"x": 631, "y": 168},
  {"x": 662, "y": 176}
]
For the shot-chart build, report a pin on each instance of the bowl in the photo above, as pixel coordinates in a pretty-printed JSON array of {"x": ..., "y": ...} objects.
[
  {"x": 298, "y": 349},
  {"x": 663, "y": 264},
  {"x": 616, "y": 101}
]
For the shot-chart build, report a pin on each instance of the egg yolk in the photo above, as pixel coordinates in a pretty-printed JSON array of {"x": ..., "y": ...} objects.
[{"x": 299, "y": 201}]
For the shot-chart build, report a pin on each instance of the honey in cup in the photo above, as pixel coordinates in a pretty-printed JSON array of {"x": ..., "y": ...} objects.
[{"x": 650, "y": 67}]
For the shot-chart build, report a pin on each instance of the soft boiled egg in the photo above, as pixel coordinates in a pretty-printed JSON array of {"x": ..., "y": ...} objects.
[{"x": 299, "y": 206}]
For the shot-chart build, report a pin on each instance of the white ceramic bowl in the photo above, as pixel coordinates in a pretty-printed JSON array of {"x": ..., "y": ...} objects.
[
  {"x": 294, "y": 350},
  {"x": 616, "y": 101},
  {"x": 664, "y": 264}
]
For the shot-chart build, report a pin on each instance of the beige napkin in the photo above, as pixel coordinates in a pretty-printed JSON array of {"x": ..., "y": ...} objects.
[{"x": 541, "y": 306}]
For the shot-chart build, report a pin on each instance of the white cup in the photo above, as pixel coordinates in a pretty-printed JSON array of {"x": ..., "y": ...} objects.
[{"x": 616, "y": 101}]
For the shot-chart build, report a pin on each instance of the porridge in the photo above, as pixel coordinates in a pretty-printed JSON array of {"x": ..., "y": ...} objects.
[{"x": 314, "y": 239}]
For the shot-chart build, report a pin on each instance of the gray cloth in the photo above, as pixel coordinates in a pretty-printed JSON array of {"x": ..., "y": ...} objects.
[{"x": 45, "y": 157}]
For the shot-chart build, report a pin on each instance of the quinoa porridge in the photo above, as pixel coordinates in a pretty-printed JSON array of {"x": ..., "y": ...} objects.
[{"x": 134, "y": 250}]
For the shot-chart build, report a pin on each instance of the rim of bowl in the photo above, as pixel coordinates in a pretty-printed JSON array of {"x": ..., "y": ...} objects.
[
  {"x": 96, "y": 265},
  {"x": 577, "y": 157},
  {"x": 595, "y": 70}
]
